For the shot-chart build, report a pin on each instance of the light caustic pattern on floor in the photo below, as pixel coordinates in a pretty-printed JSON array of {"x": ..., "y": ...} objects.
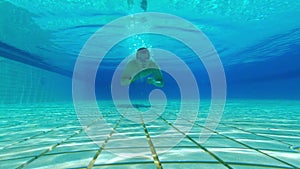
[{"x": 252, "y": 134}]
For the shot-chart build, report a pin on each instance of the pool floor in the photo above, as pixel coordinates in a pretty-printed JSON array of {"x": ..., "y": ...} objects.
[{"x": 252, "y": 134}]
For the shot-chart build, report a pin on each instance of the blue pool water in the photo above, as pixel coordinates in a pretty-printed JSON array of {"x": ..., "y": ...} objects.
[{"x": 231, "y": 89}]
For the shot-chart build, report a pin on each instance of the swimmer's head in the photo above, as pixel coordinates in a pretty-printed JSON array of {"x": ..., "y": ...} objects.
[{"x": 143, "y": 57}]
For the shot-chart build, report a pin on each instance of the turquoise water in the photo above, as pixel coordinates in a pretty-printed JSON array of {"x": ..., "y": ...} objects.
[{"x": 230, "y": 99}]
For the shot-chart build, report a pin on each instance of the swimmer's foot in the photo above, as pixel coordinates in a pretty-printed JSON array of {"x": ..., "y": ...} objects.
[{"x": 144, "y": 5}]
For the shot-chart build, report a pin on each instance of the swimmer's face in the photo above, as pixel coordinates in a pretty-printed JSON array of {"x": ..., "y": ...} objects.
[{"x": 143, "y": 58}]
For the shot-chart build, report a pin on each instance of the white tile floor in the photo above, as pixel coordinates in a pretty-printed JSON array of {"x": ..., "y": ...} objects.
[{"x": 252, "y": 134}]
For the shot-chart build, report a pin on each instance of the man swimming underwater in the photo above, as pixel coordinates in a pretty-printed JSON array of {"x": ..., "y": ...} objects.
[{"x": 142, "y": 66}]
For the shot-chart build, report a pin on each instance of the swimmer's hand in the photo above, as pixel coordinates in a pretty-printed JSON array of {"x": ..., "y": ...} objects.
[
  {"x": 150, "y": 80},
  {"x": 156, "y": 83}
]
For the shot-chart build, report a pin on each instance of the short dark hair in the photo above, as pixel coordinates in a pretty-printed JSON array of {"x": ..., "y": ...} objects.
[{"x": 142, "y": 48}]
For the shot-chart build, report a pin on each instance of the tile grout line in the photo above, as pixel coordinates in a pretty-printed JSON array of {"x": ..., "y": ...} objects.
[
  {"x": 137, "y": 162},
  {"x": 92, "y": 162},
  {"x": 53, "y": 154},
  {"x": 257, "y": 134},
  {"x": 154, "y": 154},
  {"x": 199, "y": 145},
  {"x": 52, "y": 147},
  {"x": 258, "y": 165},
  {"x": 187, "y": 162},
  {"x": 247, "y": 146},
  {"x": 28, "y": 138},
  {"x": 294, "y": 135}
]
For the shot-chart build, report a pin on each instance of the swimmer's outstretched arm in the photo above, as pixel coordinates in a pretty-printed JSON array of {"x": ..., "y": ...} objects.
[
  {"x": 126, "y": 77},
  {"x": 158, "y": 78},
  {"x": 157, "y": 83}
]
